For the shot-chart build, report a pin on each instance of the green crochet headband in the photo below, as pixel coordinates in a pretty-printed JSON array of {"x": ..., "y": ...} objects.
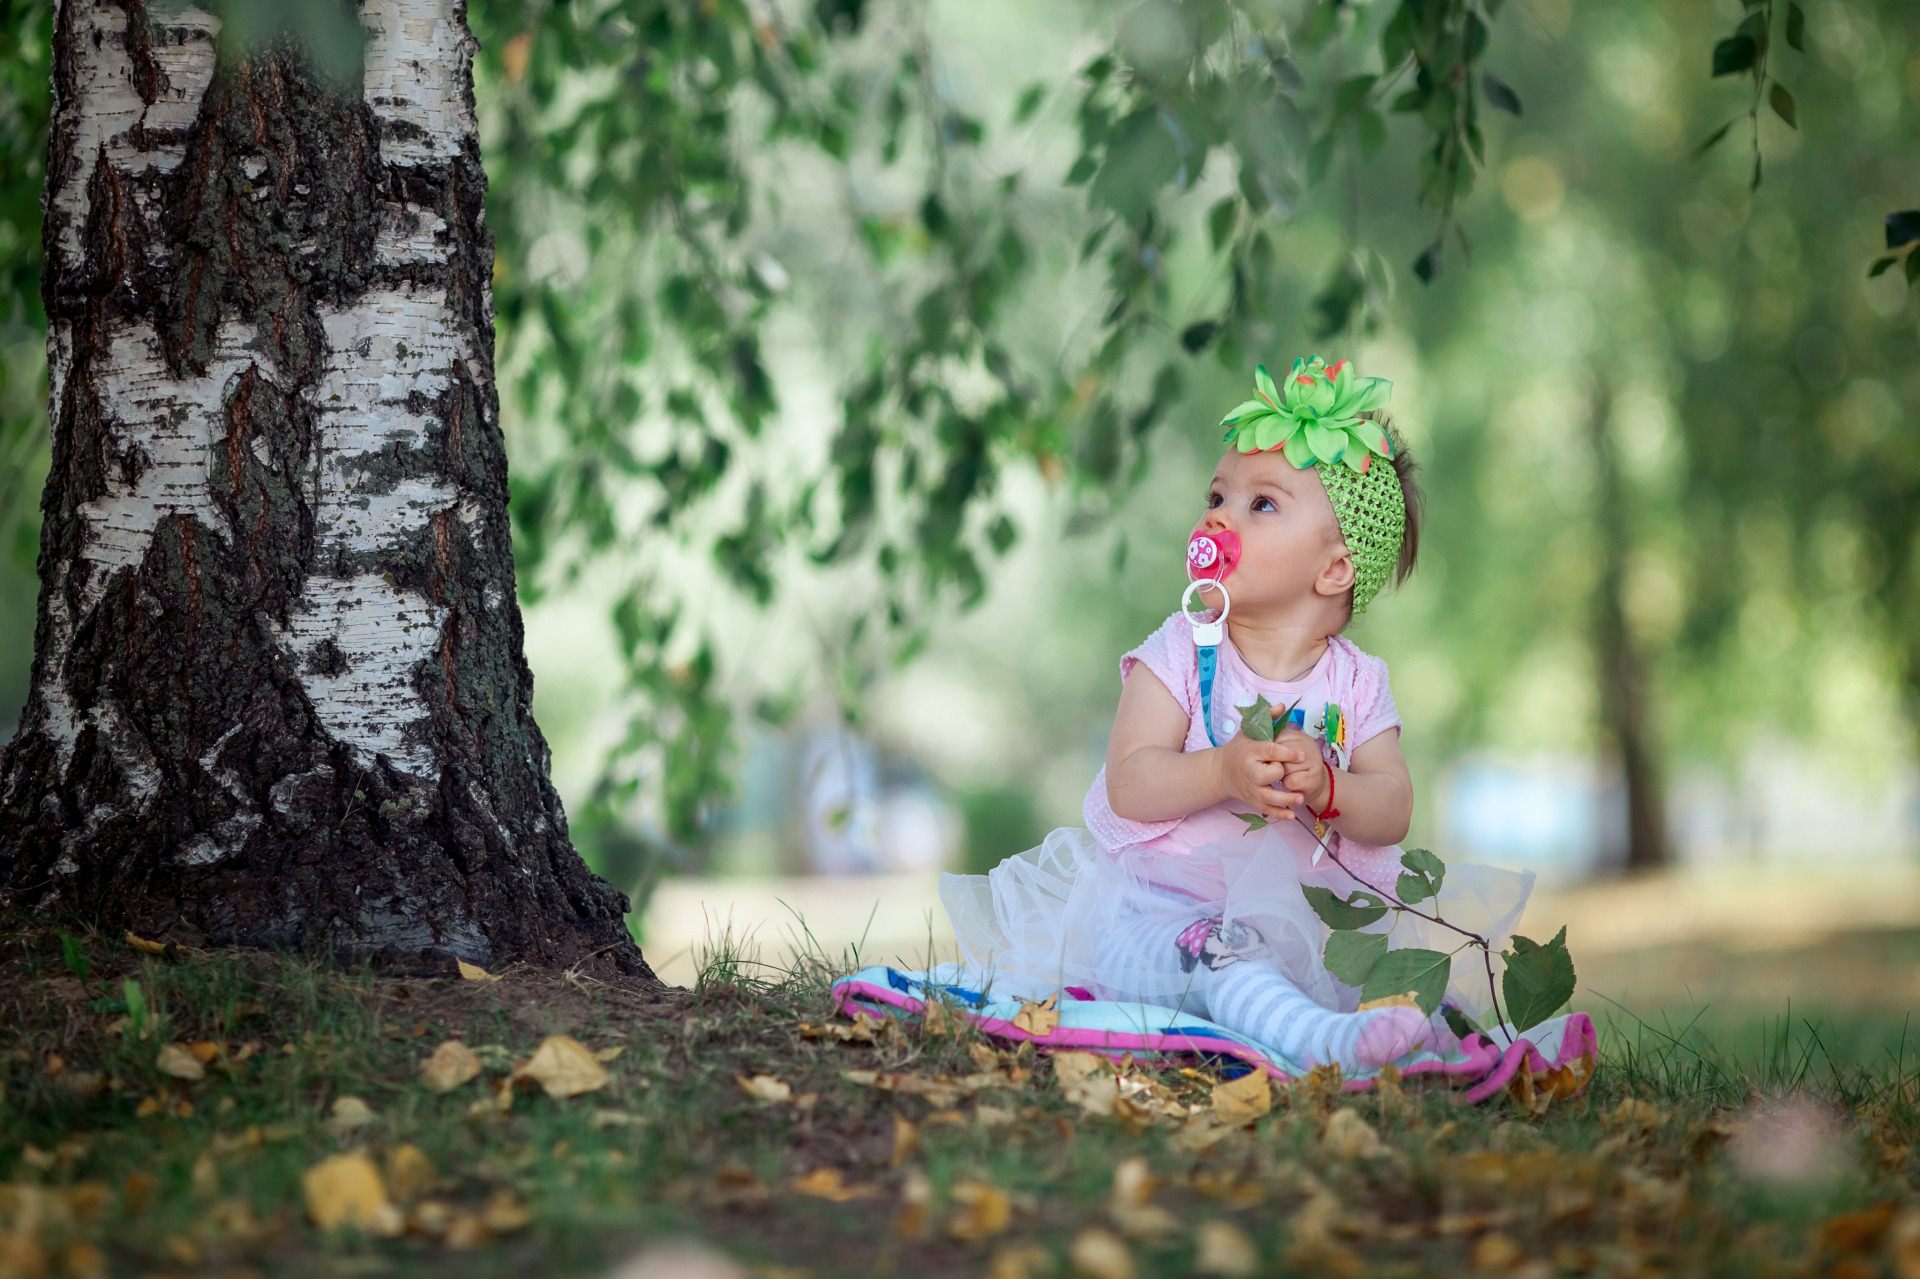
[{"x": 1315, "y": 421}]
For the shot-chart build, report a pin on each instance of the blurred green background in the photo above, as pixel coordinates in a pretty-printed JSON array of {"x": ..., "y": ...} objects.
[{"x": 860, "y": 360}]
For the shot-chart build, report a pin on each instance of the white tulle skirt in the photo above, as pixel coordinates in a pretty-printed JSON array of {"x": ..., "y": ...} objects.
[{"x": 1070, "y": 916}]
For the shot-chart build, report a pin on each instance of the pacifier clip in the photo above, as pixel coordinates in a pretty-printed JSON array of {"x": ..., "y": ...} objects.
[{"x": 1206, "y": 641}]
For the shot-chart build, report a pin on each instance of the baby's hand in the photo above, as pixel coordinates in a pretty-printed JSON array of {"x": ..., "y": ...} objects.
[
  {"x": 1307, "y": 774},
  {"x": 1247, "y": 770}
]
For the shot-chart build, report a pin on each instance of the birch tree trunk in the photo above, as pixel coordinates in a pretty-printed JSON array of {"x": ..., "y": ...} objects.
[{"x": 279, "y": 694}]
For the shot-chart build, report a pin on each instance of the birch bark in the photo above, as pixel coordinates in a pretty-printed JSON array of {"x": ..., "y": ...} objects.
[{"x": 278, "y": 691}]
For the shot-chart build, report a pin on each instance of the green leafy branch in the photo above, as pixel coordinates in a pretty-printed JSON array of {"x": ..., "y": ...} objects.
[
  {"x": 1903, "y": 233},
  {"x": 1746, "y": 52},
  {"x": 1537, "y": 979}
]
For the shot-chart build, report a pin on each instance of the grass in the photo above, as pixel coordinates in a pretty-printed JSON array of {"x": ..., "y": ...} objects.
[{"x": 114, "y": 1167}]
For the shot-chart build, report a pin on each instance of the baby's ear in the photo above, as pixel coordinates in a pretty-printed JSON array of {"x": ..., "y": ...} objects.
[{"x": 1337, "y": 577}]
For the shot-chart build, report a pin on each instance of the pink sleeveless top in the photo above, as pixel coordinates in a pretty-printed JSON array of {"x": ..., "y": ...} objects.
[{"x": 1344, "y": 678}]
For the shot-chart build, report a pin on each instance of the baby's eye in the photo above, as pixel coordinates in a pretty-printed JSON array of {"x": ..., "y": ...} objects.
[
  {"x": 1264, "y": 504},
  {"x": 1213, "y": 500}
]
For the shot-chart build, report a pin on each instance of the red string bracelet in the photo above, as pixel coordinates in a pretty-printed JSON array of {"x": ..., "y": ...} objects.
[{"x": 1320, "y": 820}]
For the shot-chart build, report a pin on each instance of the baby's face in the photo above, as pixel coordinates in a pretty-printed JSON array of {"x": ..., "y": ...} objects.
[{"x": 1287, "y": 530}]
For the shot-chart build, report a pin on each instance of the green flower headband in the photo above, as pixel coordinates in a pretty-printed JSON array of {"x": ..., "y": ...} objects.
[{"x": 1315, "y": 421}]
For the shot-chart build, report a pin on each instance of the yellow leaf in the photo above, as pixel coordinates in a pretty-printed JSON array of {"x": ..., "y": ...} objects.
[
  {"x": 983, "y": 1209},
  {"x": 608, "y": 1054},
  {"x": 825, "y": 1183},
  {"x": 175, "y": 1060},
  {"x": 204, "y": 1051},
  {"x": 1243, "y": 1100},
  {"x": 1495, "y": 1253},
  {"x": 504, "y": 1213},
  {"x": 564, "y": 1067},
  {"x": 1351, "y": 1137},
  {"x": 1087, "y": 1081},
  {"x": 464, "y": 1231},
  {"x": 1222, "y": 1250},
  {"x": 1199, "y": 1133},
  {"x": 409, "y": 1171},
  {"x": 1099, "y": 1254},
  {"x": 474, "y": 972},
  {"x": 1634, "y": 1115},
  {"x": 764, "y": 1088},
  {"x": 937, "y": 1018},
  {"x": 905, "y": 1138},
  {"x": 142, "y": 944},
  {"x": 1038, "y": 1019},
  {"x": 1020, "y": 1261},
  {"x": 615, "y": 1119},
  {"x": 346, "y": 1190},
  {"x": 916, "y": 1196},
  {"x": 1389, "y": 1001},
  {"x": 348, "y": 1114},
  {"x": 452, "y": 1064},
  {"x": 1131, "y": 1207}
]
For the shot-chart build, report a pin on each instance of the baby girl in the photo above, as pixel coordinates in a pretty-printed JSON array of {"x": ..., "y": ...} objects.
[{"x": 1184, "y": 890}]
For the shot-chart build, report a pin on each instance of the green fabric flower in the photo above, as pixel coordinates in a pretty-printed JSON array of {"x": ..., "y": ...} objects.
[
  {"x": 1315, "y": 421},
  {"x": 1315, "y": 417}
]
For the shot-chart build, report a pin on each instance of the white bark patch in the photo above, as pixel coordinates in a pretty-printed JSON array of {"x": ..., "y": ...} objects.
[
  {"x": 390, "y": 348},
  {"x": 162, "y": 431},
  {"x": 362, "y": 691},
  {"x": 108, "y": 105},
  {"x": 359, "y": 641},
  {"x": 409, "y": 234},
  {"x": 418, "y": 63}
]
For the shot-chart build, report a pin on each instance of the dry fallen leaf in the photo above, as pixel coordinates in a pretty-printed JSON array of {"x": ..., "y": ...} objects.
[
  {"x": 175, "y": 1060},
  {"x": 938, "y": 1018},
  {"x": 346, "y": 1190},
  {"x": 564, "y": 1067},
  {"x": 1020, "y": 1261},
  {"x": 349, "y": 1113},
  {"x": 905, "y": 1138},
  {"x": 1243, "y": 1100},
  {"x": 764, "y": 1088},
  {"x": 452, "y": 1064},
  {"x": 504, "y": 1213},
  {"x": 1099, "y": 1254},
  {"x": 1199, "y": 1133},
  {"x": 1495, "y": 1253},
  {"x": 605, "y": 1055},
  {"x": 982, "y": 1209},
  {"x": 1221, "y": 1249},
  {"x": 1039, "y": 1020},
  {"x": 474, "y": 972},
  {"x": 615, "y": 1119},
  {"x": 464, "y": 1231},
  {"x": 826, "y": 1183},
  {"x": 409, "y": 1171},
  {"x": 204, "y": 1051},
  {"x": 1351, "y": 1137},
  {"x": 1131, "y": 1207},
  {"x": 1634, "y": 1115},
  {"x": 916, "y": 1196},
  {"x": 1087, "y": 1081},
  {"x": 862, "y": 1031},
  {"x": 142, "y": 944}
]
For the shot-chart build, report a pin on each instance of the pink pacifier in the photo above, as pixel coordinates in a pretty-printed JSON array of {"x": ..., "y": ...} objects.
[{"x": 1211, "y": 556}]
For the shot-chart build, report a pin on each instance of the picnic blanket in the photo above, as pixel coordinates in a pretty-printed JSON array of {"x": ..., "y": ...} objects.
[{"x": 1556, "y": 1057}]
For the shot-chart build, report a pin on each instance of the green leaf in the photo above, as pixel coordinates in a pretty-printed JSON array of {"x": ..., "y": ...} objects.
[
  {"x": 1734, "y": 55},
  {"x": 1783, "y": 105},
  {"x": 1351, "y": 956},
  {"x": 1425, "y": 874},
  {"x": 1194, "y": 337},
  {"x": 1371, "y": 130},
  {"x": 1538, "y": 980},
  {"x": 1880, "y": 265},
  {"x": 1797, "y": 27},
  {"x": 76, "y": 959},
  {"x": 1712, "y": 138},
  {"x": 107, "y": 1004},
  {"x": 1220, "y": 220},
  {"x": 1459, "y": 1023},
  {"x": 1500, "y": 94},
  {"x": 1913, "y": 266},
  {"x": 1350, "y": 95},
  {"x": 1029, "y": 102},
  {"x": 1083, "y": 168},
  {"x": 1256, "y": 721},
  {"x": 1319, "y": 159},
  {"x": 1254, "y": 821},
  {"x": 136, "y": 1008},
  {"x": 1420, "y": 973},
  {"x": 1903, "y": 227},
  {"x": 1357, "y": 911}
]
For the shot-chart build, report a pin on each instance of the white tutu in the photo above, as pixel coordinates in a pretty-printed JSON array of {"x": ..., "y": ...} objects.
[{"x": 1070, "y": 914}]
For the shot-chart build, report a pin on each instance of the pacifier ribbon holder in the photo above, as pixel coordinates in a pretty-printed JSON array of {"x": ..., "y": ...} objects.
[{"x": 1210, "y": 558}]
